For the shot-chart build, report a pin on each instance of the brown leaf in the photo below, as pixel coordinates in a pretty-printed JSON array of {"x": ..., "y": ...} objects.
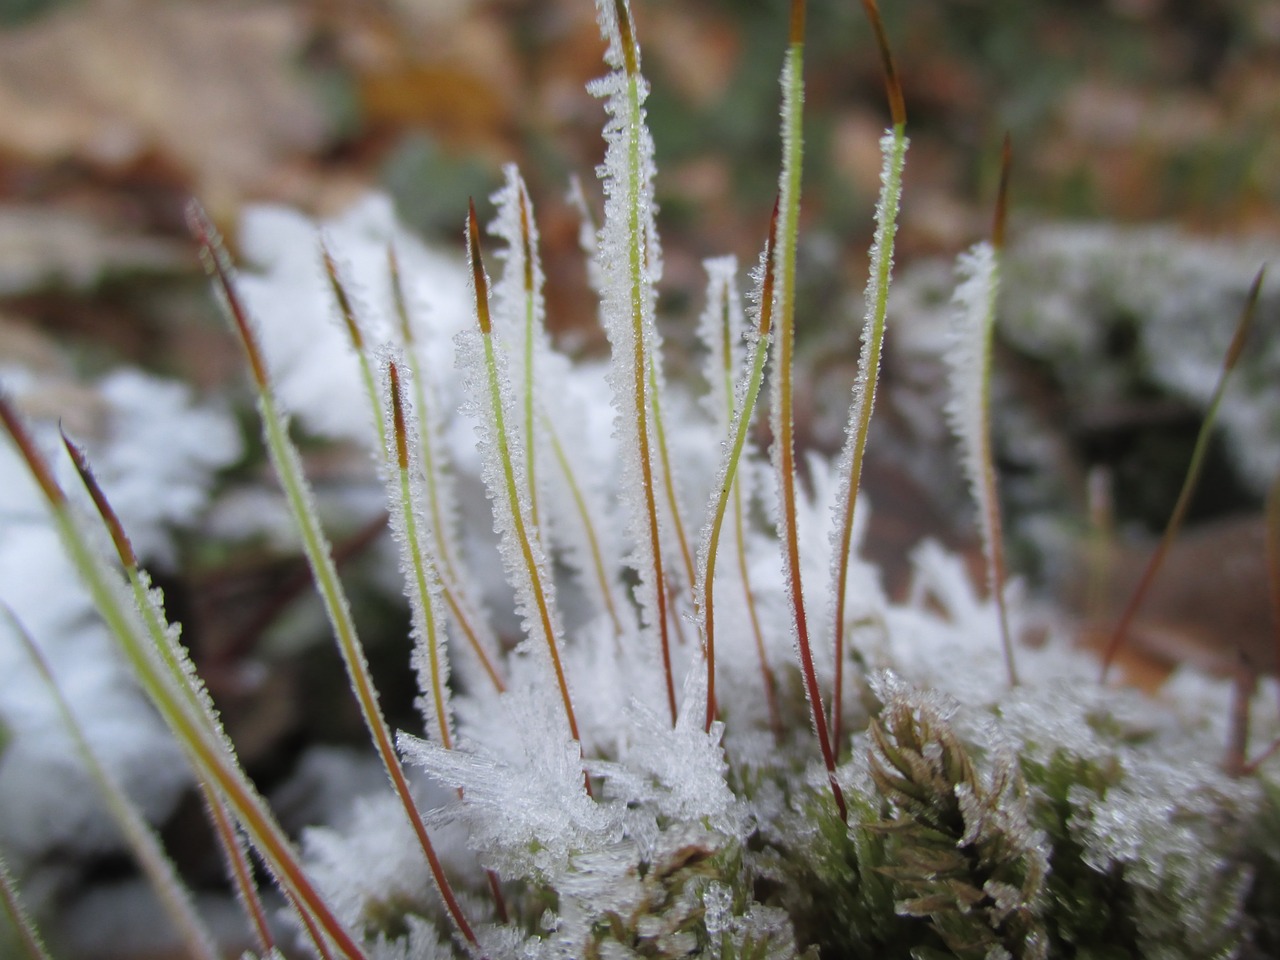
[{"x": 209, "y": 86}]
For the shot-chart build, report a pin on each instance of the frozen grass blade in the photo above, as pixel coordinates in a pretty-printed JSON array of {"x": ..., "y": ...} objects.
[
  {"x": 629, "y": 261},
  {"x": 142, "y": 840},
  {"x": 289, "y": 468},
  {"x": 440, "y": 499},
  {"x": 164, "y": 640},
  {"x": 893, "y": 148},
  {"x": 28, "y": 936},
  {"x": 783, "y": 412},
  {"x": 210, "y": 755},
  {"x": 1192, "y": 478},
  {"x": 564, "y": 511},
  {"x": 404, "y": 472},
  {"x": 506, "y": 487},
  {"x": 424, "y": 589},
  {"x": 969, "y": 409},
  {"x": 740, "y": 402}
]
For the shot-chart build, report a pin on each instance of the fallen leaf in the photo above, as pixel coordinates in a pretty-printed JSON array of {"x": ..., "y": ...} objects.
[{"x": 209, "y": 86}]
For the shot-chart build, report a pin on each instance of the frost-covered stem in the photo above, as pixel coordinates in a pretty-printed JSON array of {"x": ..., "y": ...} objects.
[
  {"x": 210, "y": 756},
  {"x": 459, "y": 605},
  {"x": 1192, "y": 478},
  {"x": 170, "y": 890},
  {"x": 783, "y": 406},
  {"x": 588, "y": 525},
  {"x": 970, "y": 406},
  {"x": 740, "y": 423},
  {"x": 165, "y": 643},
  {"x": 19, "y": 919},
  {"x": 970, "y": 413},
  {"x": 421, "y": 588},
  {"x": 394, "y": 456},
  {"x": 640, "y": 361},
  {"x": 530, "y": 330},
  {"x": 990, "y": 496},
  {"x": 509, "y": 486},
  {"x": 356, "y": 337},
  {"x": 316, "y": 547},
  {"x": 626, "y": 262},
  {"x": 893, "y": 147}
]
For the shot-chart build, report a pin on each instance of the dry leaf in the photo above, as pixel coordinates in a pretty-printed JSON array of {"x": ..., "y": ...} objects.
[{"x": 210, "y": 87}]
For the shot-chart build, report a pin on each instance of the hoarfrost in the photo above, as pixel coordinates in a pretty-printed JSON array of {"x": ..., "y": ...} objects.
[{"x": 525, "y": 807}]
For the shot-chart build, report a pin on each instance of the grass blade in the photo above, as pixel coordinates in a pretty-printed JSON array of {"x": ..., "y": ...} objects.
[
  {"x": 440, "y": 500},
  {"x": 629, "y": 261}
]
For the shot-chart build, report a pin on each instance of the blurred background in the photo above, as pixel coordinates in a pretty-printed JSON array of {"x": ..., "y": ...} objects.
[{"x": 114, "y": 112}]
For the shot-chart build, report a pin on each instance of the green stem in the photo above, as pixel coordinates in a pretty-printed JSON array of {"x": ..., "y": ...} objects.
[
  {"x": 793, "y": 149},
  {"x": 878, "y": 288},
  {"x": 640, "y": 360},
  {"x": 740, "y": 423}
]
